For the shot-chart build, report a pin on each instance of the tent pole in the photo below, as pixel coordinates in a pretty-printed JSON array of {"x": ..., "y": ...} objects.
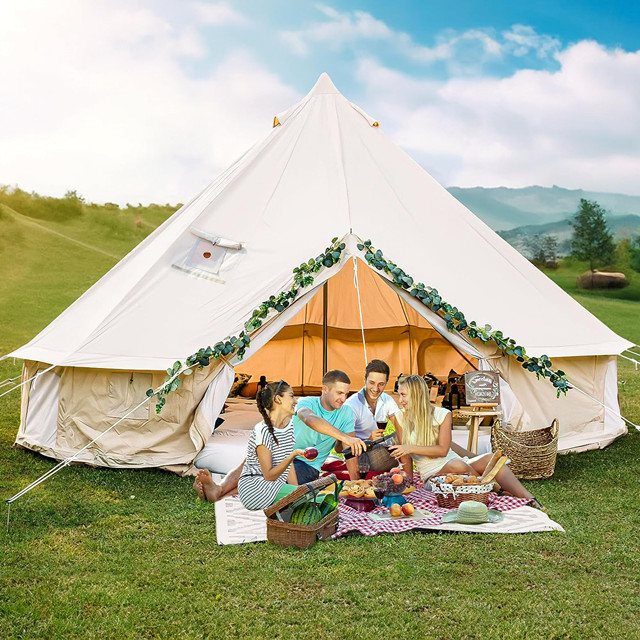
[{"x": 325, "y": 306}]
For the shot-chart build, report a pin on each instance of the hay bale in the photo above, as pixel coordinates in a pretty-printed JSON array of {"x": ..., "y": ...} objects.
[{"x": 602, "y": 280}]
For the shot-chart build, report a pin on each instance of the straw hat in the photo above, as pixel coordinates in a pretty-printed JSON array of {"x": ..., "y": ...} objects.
[{"x": 472, "y": 512}]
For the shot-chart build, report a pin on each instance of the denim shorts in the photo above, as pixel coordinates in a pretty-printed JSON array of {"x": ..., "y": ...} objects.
[{"x": 305, "y": 472}]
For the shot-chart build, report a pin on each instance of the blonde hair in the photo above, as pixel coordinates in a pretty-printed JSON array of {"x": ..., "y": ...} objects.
[{"x": 418, "y": 416}]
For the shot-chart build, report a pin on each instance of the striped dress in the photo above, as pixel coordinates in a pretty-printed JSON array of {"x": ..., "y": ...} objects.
[{"x": 255, "y": 492}]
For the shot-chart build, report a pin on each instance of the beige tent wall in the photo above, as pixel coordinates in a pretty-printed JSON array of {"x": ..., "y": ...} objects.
[
  {"x": 394, "y": 332},
  {"x": 581, "y": 419},
  {"x": 89, "y": 401}
]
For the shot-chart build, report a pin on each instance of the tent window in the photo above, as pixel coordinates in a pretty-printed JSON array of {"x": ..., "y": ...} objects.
[{"x": 125, "y": 391}]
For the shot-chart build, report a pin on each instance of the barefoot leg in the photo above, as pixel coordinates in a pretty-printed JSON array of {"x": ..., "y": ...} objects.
[
  {"x": 505, "y": 478},
  {"x": 210, "y": 490},
  {"x": 197, "y": 485},
  {"x": 510, "y": 483},
  {"x": 229, "y": 484},
  {"x": 456, "y": 466}
]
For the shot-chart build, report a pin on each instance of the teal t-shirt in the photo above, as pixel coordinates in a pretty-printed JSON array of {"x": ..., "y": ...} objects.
[{"x": 342, "y": 419}]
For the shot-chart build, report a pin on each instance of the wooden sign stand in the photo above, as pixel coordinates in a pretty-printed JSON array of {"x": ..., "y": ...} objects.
[{"x": 477, "y": 411}]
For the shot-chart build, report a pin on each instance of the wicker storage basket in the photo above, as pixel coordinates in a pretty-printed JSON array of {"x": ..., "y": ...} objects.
[
  {"x": 450, "y": 496},
  {"x": 532, "y": 453},
  {"x": 302, "y": 536}
]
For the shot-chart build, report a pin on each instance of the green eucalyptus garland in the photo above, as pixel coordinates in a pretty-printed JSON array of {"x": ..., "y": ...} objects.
[
  {"x": 456, "y": 321},
  {"x": 303, "y": 276}
]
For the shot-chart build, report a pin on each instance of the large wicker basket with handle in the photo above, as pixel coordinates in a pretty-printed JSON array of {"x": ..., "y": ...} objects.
[
  {"x": 533, "y": 453},
  {"x": 286, "y": 534}
]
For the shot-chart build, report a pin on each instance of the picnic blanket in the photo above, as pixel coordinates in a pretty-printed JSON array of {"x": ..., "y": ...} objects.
[
  {"x": 237, "y": 525},
  {"x": 518, "y": 517}
]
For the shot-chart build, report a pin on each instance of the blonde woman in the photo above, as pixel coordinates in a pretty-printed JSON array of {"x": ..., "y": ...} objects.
[{"x": 424, "y": 432}]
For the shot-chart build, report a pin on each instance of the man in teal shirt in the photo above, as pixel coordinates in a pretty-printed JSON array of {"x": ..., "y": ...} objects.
[{"x": 321, "y": 421}]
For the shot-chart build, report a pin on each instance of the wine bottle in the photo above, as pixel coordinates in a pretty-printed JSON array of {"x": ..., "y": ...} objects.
[{"x": 369, "y": 444}]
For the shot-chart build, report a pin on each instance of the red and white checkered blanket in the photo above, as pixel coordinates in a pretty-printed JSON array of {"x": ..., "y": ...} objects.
[{"x": 352, "y": 520}]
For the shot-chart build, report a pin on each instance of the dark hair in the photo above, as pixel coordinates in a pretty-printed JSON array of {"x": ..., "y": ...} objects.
[
  {"x": 377, "y": 366},
  {"x": 265, "y": 399},
  {"x": 335, "y": 375}
]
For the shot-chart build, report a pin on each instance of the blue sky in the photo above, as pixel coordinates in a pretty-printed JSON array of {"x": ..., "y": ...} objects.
[{"x": 148, "y": 100}]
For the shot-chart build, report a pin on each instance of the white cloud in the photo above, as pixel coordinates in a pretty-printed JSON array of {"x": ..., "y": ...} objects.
[
  {"x": 339, "y": 30},
  {"x": 97, "y": 99},
  {"x": 218, "y": 13},
  {"x": 462, "y": 51},
  {"x": 521, "y": 40},
  {"x": 574, "y": 127}
]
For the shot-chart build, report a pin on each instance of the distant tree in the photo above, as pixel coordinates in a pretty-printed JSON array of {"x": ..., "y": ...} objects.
[
  {"x": 634, "y": 250},
  {"x": 623, "y": 252},
  {"x": 542, "y": 248},
  {"x": 73, "y": 195},
  {"x": 592, "y": 241}
]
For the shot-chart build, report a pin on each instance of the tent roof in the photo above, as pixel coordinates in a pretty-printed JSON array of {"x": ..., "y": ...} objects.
[{"x": 327, "y": 170}]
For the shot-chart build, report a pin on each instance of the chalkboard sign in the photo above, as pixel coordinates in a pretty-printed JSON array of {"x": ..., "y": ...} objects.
[{"x": 482, "y": 387}]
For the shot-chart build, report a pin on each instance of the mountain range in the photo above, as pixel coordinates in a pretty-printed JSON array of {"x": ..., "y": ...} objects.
[{"x": 522, "y": 212}]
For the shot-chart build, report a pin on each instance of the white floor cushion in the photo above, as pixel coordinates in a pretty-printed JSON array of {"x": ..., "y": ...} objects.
[{"x": 224, "y": 451}]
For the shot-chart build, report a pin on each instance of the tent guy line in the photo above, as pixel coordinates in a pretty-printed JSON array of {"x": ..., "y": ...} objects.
[
  {"x": 631, "y": 360},
  {"x": 67, "y": 461},
  {"x": 26, "y": 381},
  {"x": 604, "y": 406}
]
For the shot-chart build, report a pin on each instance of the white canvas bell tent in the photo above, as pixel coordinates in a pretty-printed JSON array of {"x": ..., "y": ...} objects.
[{"x": 325, "y": 170}]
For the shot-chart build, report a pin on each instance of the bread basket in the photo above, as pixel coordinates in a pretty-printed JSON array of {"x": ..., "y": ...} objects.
[{"x": 450, "y": 496}]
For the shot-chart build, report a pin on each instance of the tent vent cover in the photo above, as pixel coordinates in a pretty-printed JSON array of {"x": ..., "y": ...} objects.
[{"x": 209, "y": 254}]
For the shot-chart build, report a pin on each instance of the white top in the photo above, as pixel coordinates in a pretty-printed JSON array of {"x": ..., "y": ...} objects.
[
  {"x": 427, "y": 466},
  {"x": 365, "y": 419}
]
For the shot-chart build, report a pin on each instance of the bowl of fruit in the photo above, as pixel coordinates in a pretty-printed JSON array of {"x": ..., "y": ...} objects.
[{"x": 390, "y": 486}]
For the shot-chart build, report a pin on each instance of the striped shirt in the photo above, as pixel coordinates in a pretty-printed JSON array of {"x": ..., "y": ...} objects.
[{"x": 255, "y": 492}]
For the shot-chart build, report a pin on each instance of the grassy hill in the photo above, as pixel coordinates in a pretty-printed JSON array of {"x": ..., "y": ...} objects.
[
  {"x": 48, "y": 260},
  {"x": 101, "y": 553}
]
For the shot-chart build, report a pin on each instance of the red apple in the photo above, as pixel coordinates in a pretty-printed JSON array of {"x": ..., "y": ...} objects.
[
  {"x": 407, "y": 508},
  {"x": 395, "y": 510},
  {"x": 397, "y": 478},
  {"x": 310, "y": 453}
]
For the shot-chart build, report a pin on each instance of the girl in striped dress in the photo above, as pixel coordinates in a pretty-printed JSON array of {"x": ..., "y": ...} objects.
[{"x": 268, "y": 474}]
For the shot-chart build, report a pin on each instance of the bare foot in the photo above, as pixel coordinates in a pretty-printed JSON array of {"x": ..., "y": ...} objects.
[
  {"x": 204, "y": 483},
  {"x": 197, "y": 485}
]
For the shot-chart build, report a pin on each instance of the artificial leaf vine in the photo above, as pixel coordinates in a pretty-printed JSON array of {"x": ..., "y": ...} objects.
[
  {"x": 456, "y": 321},
  {"x": 303, "y": 276}
]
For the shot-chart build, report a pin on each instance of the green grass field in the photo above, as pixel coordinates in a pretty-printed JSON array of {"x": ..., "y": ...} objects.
[{"x": 96, "y": 553}]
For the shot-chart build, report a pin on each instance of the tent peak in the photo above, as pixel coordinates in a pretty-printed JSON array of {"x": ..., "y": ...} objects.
[{"x": 323, "y": 85}]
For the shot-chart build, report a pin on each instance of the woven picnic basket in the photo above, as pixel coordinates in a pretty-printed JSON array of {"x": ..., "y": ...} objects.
[
  {"x": 302, "y": 536},
  {"x": 450, "y": 496},
  {"x": 533, "y": 453}
]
